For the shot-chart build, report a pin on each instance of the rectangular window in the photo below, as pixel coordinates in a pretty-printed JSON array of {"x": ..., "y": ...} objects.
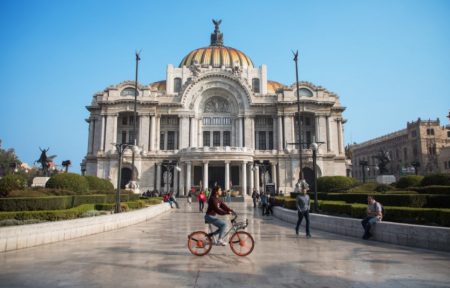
[
  {"x": 131, "y": 137},
  {"x": 308, "y": 137},
  {"x": 206, "y": 139},
  {"x": 413, "y": 133},
  {"x": 124, "y": 120},
  {"x": 448, "y": 134},
  {"x": 216, "y": 138},
  {"x": 161, "y": 141},
  {"x": 171, "y": 140},
  {"x": 430, "y": 131},
  {"x": 270, "y": 140},
  {"x": 405, "y": 154},
  {"x": 262, "y": 140},
  {"x": 226, "y": 138}
]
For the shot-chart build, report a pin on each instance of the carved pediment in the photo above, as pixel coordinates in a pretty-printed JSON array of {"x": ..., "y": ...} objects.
[{"x": 217, "y": 105}]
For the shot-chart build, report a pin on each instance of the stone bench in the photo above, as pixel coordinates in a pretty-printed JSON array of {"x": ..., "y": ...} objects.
[
  {"x": 24, "y": 236},
  {"x": 420, "y": 236}
]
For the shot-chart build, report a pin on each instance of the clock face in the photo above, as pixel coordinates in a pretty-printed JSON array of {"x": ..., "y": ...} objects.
[{"x": 305, "y": 92}]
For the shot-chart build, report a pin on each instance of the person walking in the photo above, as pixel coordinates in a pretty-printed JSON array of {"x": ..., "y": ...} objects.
[
  {"x": 255, "y": 196},
  {"x": 201, "y": 201},
  {"x": 303, "y": 205}
]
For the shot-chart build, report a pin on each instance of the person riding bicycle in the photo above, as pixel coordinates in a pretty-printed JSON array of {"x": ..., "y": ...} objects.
[{"x": 216, "y": 206}]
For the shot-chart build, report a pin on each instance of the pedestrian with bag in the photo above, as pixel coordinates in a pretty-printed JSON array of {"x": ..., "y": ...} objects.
[{"x": 303, "y": 206}]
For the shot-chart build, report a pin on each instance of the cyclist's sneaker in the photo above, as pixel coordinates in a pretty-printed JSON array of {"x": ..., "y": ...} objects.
[{"x": 221, "y": 243}]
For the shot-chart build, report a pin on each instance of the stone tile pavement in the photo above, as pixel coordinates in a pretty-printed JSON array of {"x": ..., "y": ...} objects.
[{"x": 154, "y": 254}]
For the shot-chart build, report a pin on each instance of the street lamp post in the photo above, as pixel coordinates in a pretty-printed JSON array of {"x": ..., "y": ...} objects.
[
  {"x": 120, "y": 149},
  {"x": 315, "y": 147},
  {"x": 300, "y": 176},
  {"x": 133, "y": 176}
]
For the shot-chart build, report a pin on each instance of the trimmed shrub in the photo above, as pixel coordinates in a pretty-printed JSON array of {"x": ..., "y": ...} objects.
[
  {"x": 88, "y": 199},
  {"x": 436, "y": 179},
  {"x": 382, "y": 188},
  {"x": 335, "y": 183},
  {"x": 69, "y": 181},
  {"x": 435, "y": 189},
  {"x": 11, "y": 182},
  {"x": 36, "y": 203},
  {"x": 409, "y": 181},
  {"x": 437, "y": 201},
  {"x": 99, "y": 185},
  {"x": 336, "y": 208},
  {"x": 48, "y": 215},
  {"x": 364, "y": 188}
]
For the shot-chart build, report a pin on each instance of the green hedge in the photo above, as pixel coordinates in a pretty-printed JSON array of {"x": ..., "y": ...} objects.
[
  {"x": 88, "y": 199},
  {"x": 48, "y": 215},
  {"x": 402, "y": 200},
  {"x": 69, "y": 181},
  {"x": 36, "y": 203},
  {"x": 436, "y": 179},
  {"x": 335, "y": 183},
  {"x": 99, "y": 185},
  {"x": 434, "y": 189},
  {"x": 409, "y": 181},
  {"x": 394, "y": 214}
]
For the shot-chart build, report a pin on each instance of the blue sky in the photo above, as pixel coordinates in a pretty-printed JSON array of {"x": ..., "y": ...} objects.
[{"x": 388, "y": 60}]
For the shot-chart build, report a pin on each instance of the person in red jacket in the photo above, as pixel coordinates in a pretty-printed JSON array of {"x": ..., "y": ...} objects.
[{"x": 216, "y": 206}]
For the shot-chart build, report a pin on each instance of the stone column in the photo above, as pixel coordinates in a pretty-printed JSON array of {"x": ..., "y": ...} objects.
[
  {"x": 227, "y": 175},
  {"x": 111, "y": 132},
  {"x": 153, "y": 134},
  {"x": 248, "y": 133},
  {"x": 205, "y": 175},
  {"x": 157, "y": 132},
  {"x": 244, "y": 178},
  {"x": 257, "y": 183},
  {"x": 182, "y": 180},
  {"x": 252, "y": 178},
  {"x": 339, "y": 135},
  {"x": 328, "y": 133},
  {"x": 183, "y": 132},
  {"x": 91, "y": 135},
  {"x": 274, "y": 173},
  {"x": 158, "y": 177},
  {"x": 175, "y": 181},
  {"x": 280, "y": 141},
  {"x": 288, "y": 130},
  {"x": 144, "y": 127},
  {"x": 102, "y": 136},
  {"x": 200, "y": 133},
  {"x": 188, "y": 176},
  {"x": 193, "y": 139}
]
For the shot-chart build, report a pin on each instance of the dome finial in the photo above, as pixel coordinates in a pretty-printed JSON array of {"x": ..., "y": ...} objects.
[{"x": 217, "y": 36}]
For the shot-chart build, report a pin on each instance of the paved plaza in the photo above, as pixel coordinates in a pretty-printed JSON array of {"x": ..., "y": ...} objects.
[{"x": 154, "y": 254}]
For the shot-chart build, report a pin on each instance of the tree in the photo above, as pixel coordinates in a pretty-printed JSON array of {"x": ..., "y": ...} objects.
[{"x": 8, "y": 160}]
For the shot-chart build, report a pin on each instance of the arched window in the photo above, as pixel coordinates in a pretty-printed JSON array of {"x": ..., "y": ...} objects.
[
  {"x": 255, "y": 85},
  {"x": 129, "y": 91},
  {"x": 177, "y": 85},
  {"x": 305, "y": 92}
]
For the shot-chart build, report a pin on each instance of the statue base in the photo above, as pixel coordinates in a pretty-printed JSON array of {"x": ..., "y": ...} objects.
[
  {"x": 133, "y": 186},
  {"x": 386, "y": 179}
]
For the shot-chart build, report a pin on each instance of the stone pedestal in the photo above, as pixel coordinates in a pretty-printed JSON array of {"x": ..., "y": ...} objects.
[
  {"x": 39, "y": 181},
  {"x": 386, "y": 179}
]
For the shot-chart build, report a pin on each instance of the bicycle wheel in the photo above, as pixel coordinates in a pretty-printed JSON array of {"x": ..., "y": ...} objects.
[
  {"x": 242, "y": 243},
  {"x": 199, "y": 243}
]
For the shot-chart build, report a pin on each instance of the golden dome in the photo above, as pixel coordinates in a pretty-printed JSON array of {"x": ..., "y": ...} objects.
[
  {"x": 216, "y": 54},
  {"x": 273, "y": 86}
]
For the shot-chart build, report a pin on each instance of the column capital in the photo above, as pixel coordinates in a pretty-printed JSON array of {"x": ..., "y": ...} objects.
[
  {"x": 205, "y": 162},
  {"x": 227, "y": 161}
]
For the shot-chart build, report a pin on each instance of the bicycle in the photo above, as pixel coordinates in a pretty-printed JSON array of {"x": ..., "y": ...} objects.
[{"x": 241, "y": 242}]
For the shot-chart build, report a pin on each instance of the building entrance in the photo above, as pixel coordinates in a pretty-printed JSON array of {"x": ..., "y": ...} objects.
[
  {"x": 125, "y": 177},
  {"x": 216, "y": 176}
]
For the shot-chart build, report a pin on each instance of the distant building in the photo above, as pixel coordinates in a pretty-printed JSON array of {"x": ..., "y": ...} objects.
[
  {"x": 216, "y": 115},
  {"x": 417, "y": 147}
]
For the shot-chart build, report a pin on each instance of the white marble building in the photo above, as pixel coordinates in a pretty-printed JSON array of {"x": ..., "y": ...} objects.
[{"x": 215, "y": 115}]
